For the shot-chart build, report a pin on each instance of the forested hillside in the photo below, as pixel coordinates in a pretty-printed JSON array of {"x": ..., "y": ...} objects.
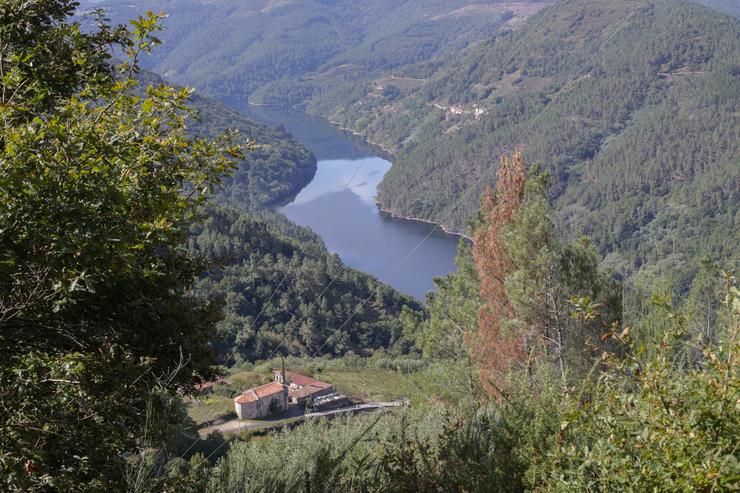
[
  {"x": 270, "y": 280},
  {"x": 638, "y": 126},
  {"x": 137, "y": 250},
  {"x": 273, "y": 171},
  {"x": 281, "y": 49},
  {"x": 631, "y": 106},
  {"x": 268, "y": 272}
]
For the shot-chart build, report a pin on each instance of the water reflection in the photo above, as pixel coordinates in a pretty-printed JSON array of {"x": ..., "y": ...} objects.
[
  {"x": 339, "y": 205},
  {"x": 349, "y": 221}
]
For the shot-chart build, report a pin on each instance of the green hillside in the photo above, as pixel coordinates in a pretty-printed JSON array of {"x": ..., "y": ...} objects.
[
  {"x": 642, "y": 140},
  {"x": 268, "y": 274},
  {"x": 282, "y": 47},
  {"x": 272, "y": 173}
]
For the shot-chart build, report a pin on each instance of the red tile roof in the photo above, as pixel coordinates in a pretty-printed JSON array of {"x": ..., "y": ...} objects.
[
  {"x": 260, "y": 392},
  {"x": 305, "y": 391},
  {"x": 303, "y": 380}
]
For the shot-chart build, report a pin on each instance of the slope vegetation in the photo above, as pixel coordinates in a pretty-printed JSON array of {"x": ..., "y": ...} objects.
[
  {"x": 638, "y": 126},
  {"x": 231, "y": 49}
]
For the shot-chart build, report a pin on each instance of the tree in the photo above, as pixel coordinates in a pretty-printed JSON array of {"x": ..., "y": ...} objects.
[
  {"x": 453, "y": 310},
  {"x": 540, "y": 299},
  {"x": 99, "y": 183},
  {"x": 652, "y": 424},
  {"x": 702, "y": 304},
  {"x": 45, "y": 59},
  {"x": 494, "y": 347}
]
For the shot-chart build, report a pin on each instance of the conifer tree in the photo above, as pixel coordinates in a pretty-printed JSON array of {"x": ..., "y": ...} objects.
[{"x": 494, "y": 347}]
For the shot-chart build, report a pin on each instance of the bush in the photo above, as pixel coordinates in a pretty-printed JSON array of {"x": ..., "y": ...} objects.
[{"x": 654, "y": 426}]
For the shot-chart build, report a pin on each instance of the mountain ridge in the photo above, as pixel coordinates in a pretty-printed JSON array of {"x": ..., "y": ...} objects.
[
  {"x": 446, "y": 115},
  {"x": 677, "y": 70}
]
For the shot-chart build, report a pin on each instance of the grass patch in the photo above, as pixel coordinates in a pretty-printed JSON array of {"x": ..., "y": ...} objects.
[
  {"x": 437, "y": 383},
  {"x": 210, "y": 408}
]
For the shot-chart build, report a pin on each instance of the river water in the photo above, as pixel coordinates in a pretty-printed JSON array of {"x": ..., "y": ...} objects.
[{"x": 339, "y": 205}]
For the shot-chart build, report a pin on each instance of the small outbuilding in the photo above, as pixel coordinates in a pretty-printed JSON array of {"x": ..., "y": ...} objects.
[{"x": 302, "y": 390}]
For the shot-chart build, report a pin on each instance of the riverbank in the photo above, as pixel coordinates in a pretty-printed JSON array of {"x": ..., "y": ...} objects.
[
  {"x": 384, "y": 151},
  {"x": 389, "y": 156},
  {"x": 425, "y": 221}
]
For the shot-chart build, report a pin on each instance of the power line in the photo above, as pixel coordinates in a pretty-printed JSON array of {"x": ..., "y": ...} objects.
[
  {"x": 513, "y": 52},
  {"x": 509, "y": 149}
]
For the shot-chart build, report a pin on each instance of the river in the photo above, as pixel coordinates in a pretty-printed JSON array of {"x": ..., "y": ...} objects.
[{"x": 339, "y": 205}]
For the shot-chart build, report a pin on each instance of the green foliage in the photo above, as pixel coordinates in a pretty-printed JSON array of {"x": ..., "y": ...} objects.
[
  {"x": 269, "y": 283},
  {"x": 453, "y": 310},
  {"x": 650, "y": 425},
  {"x": 46, "y": 59},
  {"x": 98, "y": 188},
  {"x": 413, "y": 451}
]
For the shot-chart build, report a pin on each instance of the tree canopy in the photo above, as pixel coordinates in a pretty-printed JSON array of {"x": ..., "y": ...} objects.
[{"x": 98, "y": 189}]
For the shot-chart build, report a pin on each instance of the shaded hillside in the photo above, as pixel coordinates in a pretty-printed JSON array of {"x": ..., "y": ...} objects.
[
  {"x": 642, "y": 140},
  {"x": 289, "y": 48},
  {"x": 273, "y": 173}
]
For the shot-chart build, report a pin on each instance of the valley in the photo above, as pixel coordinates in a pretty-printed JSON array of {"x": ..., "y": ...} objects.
[
  {"x": 369, "y": 246},
  {"x": 339, "y": 205},
  {"x": 446, "y": 113}
]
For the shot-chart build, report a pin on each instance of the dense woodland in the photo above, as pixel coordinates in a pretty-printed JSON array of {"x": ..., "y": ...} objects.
[
  {"x": 272, "y": 45},
  {"x": 641, "y": 140},
  {"x": 138, "y": 254},
  {"x": 270, "y": 283},
  {"x": 411, "y": 77}
]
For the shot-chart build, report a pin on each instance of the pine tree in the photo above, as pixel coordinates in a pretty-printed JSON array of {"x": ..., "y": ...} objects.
[{"x": 494, "y": 347}]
